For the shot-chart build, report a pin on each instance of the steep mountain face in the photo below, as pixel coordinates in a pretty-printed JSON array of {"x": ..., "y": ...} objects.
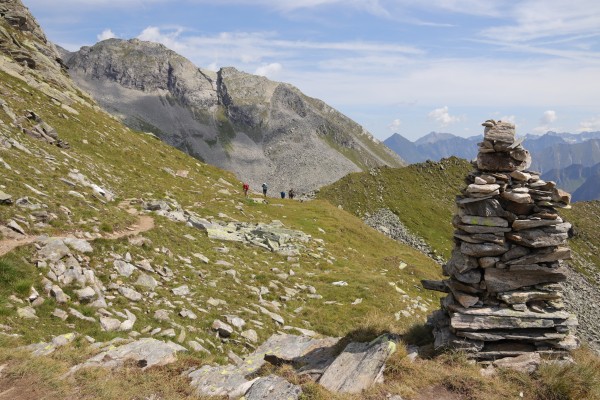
[
  {"x": 28, "y": 55},
  {"x": 263, "y": 131},
  {"x": 561, "y": 155},
  {"x": 433, "y": 146},
  {"x": 589, "y": 189},
  {"x": 582, "y": 181}
]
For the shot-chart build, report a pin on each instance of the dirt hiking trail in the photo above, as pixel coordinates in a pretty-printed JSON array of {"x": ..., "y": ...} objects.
[{"x": 144, "y": 223}]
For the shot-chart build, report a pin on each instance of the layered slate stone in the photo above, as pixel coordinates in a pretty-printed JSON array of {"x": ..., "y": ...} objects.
[
  {"x": 146, "y": 353},
  {"x": 309, "y": 354},
  {"x": 358, "y": 366},
  {"x": 504, "y": 298}
]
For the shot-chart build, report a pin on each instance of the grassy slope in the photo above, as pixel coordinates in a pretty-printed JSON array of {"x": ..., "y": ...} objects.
[
  {"x": 131, "y": 165},
  {"x": 585, "y": 217},
  {"x": 422, "y": 195}
]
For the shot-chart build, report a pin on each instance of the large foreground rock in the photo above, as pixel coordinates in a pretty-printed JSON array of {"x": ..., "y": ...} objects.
[
  {"x": 233, "y": 381},
  {"x": 359, "y": 366}
]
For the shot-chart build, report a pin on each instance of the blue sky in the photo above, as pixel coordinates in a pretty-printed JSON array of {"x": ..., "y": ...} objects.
[{"x": 403, "y": 66}]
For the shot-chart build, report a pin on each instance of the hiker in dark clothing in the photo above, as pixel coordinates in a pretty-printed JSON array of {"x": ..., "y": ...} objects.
[
  {"x": 264, "y": 188},
  {"x": 291, "y": 194},
  {"x": 282, "y": 194}
]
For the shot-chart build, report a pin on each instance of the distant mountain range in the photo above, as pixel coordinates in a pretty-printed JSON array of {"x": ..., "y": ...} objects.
[
  {"x": 572, "y": 160},
  {"x": 433, "y": 146}
]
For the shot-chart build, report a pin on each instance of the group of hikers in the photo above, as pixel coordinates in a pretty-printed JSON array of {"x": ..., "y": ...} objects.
[{"x": 290, "y": 193}]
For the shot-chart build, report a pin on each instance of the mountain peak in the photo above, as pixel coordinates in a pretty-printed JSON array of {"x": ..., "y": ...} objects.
[
  {"x": 434, "y": 137},
  {"x": 258, "y": 128}
]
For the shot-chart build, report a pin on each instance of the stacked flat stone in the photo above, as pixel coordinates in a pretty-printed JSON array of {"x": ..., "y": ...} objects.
[{"x": 504, "y": 294}]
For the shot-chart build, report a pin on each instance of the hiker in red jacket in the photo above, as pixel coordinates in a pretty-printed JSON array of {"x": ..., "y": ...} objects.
[{"x": 246, "y": 187}]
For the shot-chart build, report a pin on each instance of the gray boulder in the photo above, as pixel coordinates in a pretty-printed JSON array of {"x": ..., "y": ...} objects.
[
  {"x": 359, "y": 366},
  {"x": 146, "y": 353},
  {"x": 273, "y": 387}
]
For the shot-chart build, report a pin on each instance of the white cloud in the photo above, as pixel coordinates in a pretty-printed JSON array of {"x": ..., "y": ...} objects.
[
  {"x": 106, "y": 34},
  {"x": 548, "y": 117},
  {"x": 443, "y": 117},
  {"x": 509, "y": 118},
  {"x": 269, "y": 70},
  {"x": 552, "y": 18},
  {"x": 395, "y": 125},
  {"x": 170, "y": 38},
  {"x": 590, "y": 125},
  {"x": 546, "y": 121},
  {"x": 254, "y": 51}
]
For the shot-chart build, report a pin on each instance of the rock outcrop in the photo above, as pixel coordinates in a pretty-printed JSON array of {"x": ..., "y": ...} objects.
[
  {"x": 23, "y": 41},
  {"x": 355, "y": 369},
  {"x": 504, "y": 293},
  {"x": 263, "y": 131}
]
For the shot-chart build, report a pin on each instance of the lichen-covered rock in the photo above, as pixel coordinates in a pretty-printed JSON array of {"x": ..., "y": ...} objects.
[{"x": 145, "y": 352}]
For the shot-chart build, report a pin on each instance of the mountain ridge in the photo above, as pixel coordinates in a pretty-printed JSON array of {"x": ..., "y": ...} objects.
[
  {"x": 264, "y": 131},
  {"x": 552, "y": 153}
]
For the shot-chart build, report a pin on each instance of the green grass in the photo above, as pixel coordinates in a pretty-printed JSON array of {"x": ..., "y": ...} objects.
[
  {"x": 585, "y": 217},
  {"x": 132, "y": 165},
  {"x": 422, "y": 195}
]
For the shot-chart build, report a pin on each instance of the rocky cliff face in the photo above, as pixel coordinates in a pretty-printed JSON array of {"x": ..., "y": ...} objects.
[
  {"x": 264, "y": 131},
  {"x": 37, "y": 59}
]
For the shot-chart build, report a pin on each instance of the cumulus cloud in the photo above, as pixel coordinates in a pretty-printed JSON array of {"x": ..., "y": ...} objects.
[
  {"x": 106, "y": 34},
  {"x": 546, "y": 120},
  {"x": 269, "y": 70},
  {"x": 395, "y": 125},
  {"x": 170, "y": 38},
  {"x": 590, "y": 125},
  {"x": 443, "y": 117},
  {"x": 548, "y": 117}
]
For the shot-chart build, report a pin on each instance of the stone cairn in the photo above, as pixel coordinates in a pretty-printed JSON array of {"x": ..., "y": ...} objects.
[{"x": 504, "y": 297}]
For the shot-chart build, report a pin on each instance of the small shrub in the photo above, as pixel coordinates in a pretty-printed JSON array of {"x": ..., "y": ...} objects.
[
  {"x": 106, "y": 227},
  {"x": 580, "y": 380}
]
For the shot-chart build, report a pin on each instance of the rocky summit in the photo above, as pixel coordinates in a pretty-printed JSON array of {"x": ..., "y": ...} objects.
[
  {"x": 263, "y": 131},
  {"x": 504, "y": 298}
]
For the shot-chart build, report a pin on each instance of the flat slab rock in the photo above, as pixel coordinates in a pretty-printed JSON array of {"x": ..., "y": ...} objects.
[
  {"x": 43, "y": 349},
  {"x": 518, "y": 276},
  {"x": 527, "y": 363},
  {"x": 233, "y": 381},
  {"x": 359, "y": 366},
  {"x": 147, "y": 352}
]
